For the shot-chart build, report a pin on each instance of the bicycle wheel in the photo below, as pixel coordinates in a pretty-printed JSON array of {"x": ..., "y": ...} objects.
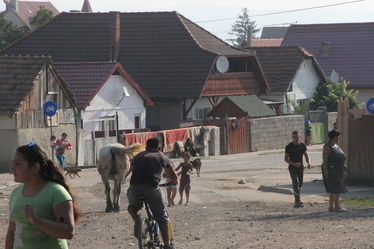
[{"x": 144, "y": 240}]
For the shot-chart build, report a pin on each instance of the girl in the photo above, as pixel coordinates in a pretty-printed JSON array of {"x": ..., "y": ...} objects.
[
  {"x": 43, "y": 210},
  {"x": 171, "y": 190},
  {"x": 185, "y": 180}
]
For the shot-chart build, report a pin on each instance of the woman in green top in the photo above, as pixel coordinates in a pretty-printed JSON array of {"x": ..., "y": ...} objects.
[{"x": 42, "y": 208}]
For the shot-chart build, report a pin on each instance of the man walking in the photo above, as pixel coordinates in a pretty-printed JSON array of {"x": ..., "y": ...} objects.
[
  {"x": 147, "y": 168},
  {"x": 294, "y": 153}
]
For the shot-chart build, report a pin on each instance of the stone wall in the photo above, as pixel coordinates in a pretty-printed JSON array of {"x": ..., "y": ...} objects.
[{"x": 275, "y": 132}]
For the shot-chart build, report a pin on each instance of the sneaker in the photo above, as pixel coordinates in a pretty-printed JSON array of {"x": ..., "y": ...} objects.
[
  {"x": 298, "y": 204},
  {"x": 169, "y": 246},
  {"x": 341, "y": 210}
]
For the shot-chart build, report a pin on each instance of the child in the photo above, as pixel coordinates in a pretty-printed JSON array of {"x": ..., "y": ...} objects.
[
  {"x": 185, "y": 180},
  {"x": 62, "y": 145},
  {"x": 171, "y": 191},
  {"x": 43, "y": 211}
]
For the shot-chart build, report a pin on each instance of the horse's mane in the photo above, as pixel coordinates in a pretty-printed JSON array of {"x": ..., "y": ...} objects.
[{"x": 131, "y": 150}]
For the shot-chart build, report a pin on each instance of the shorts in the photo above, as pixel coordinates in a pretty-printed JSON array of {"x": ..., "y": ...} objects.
[
  {"x": 184, "y": 186},
  {"x": 155, "y": 201},
  {"x": 171, "y": 186},
  {"x": 308, "y": 133}
]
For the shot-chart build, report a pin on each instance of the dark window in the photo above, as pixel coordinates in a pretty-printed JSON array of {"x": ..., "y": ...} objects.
[
  {"x": 325, "y": 49},
  {"x": 137, "y": 121}
]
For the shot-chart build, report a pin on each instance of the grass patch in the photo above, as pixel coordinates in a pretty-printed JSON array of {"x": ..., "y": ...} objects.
[{"x": 358, "y": 202}]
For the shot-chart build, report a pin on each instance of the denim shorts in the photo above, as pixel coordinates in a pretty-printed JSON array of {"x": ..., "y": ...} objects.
[{"x": 155, "y": 201}]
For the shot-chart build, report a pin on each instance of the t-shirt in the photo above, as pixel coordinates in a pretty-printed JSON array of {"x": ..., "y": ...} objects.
[
  {"x": 147, "y": 167},
  {"x": 186, "y": 170},
  {"x": 27, "y": 235},
  {"x": 296, "y": 152}
]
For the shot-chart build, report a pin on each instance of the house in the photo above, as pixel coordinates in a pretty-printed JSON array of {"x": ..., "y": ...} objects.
[
  {"x": 292, "y": 73},
  {"x": 183, "y": 68},
  {"x": 26, "y": 83},
  {"x": 242, "y": 106},
  {"x": 102, "y": 91},
  {"x": 20, "y": 13},
  {"x": 343, "y": 50}
]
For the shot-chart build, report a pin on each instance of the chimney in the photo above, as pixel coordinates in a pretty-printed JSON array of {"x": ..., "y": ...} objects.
[
  {"x": 115, "y": 22},
  {"x": 86, "y": 8},
  {"x": 249, "y": 37},
  {"x": 14, "y": 4}
]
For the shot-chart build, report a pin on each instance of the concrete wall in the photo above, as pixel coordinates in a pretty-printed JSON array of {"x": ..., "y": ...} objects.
[
  {"x": 7, "y": 123},
  {"x": 8, "y": 146},
  {"x": 275, "y": 132},
  {"x": 332, "y": 116},
  {"x": 165, "y": 114}
]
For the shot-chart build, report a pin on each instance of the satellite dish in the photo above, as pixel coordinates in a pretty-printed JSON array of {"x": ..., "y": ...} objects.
[
  {"x": 334, "y": 76},
  {"x": 222, "y": 64},
  {"x": 126, "y": 92}
]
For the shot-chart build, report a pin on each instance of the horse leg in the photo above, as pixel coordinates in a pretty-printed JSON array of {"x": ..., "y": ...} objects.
[
  {"x": 109, "y": 205},
  {"x": 116, "y": 194}
]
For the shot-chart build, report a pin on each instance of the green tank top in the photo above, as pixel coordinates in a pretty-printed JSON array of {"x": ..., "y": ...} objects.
[{"x": 27, "y": 235}]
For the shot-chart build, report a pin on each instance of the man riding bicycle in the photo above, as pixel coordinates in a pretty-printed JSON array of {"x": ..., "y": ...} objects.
[{"x": 147, "y": 168}]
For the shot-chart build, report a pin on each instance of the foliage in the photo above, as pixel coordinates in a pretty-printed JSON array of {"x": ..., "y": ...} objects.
[
  {"x": 300, "y": 108},
  {"x": 328, "y": 94},
  {"x": 358, "y": 202},
  {"x": 240, "y": 29},
  {"x": 43, "y": 16},
  {"x": 10, "y": 32}
]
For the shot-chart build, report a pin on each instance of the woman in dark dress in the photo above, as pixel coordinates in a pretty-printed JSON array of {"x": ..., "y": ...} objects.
[{"x": 333, "y": 171}]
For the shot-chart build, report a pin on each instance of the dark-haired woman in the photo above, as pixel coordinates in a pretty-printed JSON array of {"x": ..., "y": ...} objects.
[
  {"x": 333, "y": 171},
  {"x": 43, "y": 211}
]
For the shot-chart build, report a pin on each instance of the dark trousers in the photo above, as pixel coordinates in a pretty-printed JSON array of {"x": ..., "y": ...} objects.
[{"x": 297, "y": 176}]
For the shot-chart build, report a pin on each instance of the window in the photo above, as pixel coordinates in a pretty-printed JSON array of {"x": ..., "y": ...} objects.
[
  {"x": 325, "y": 49},
  {"x": 137, "y": 121},
  {"x": 201, "y": 113}
]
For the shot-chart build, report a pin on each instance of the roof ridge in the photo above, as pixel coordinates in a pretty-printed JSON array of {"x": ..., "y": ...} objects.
[
  {"x": 85, "y": 62},
  {"x": 216, "y": 37},
  {"x": 343, "y": 23}
]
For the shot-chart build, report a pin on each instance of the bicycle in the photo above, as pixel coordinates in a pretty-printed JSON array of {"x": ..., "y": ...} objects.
[{"x": 149, "y": 235}]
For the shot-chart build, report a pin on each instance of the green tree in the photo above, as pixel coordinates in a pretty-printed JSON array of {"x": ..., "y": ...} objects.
[
  {"x": 328, "y": 93},
  {"x": 43, "y": 16},
  {"x": 240, "y": 29},
  {"x": 9, "y": 32}
]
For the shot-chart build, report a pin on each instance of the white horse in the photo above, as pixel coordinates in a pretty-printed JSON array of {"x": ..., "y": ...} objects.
[{"x": 114, "y": 162}]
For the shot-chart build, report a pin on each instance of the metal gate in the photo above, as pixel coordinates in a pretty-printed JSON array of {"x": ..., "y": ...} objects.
[{"x": 234, "y": 135}]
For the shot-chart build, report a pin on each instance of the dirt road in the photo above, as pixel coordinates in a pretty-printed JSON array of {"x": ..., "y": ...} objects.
[{"x": 225, "y": 214}]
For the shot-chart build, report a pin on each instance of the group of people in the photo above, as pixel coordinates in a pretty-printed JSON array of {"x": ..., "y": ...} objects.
[
  {"x": 333, "y": 167},
  {"x": 43, "y": 210}
]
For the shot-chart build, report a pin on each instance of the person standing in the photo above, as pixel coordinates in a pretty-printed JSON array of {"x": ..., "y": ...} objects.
[
  {"x": 185, "y": 180},
  {"x": 308, "y": 132},
  {"x": 294, "y": 153},
  {"x": 62, "y": 145},
  {"x": 147, "y": 168},
  {"x": 333, "y": 171},
  {"x": 43, "y": 210}
]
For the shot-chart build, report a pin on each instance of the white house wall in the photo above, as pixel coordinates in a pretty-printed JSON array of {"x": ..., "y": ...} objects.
[
  {"x": 108, "y": 101},
  {"x": 200, "y": 103},
  {"x": 364, "y": 95},
  {"x": 304, "y": 84}
]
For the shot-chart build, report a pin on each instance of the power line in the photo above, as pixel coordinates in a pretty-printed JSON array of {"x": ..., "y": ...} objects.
[{"x": 286, "y": 11}]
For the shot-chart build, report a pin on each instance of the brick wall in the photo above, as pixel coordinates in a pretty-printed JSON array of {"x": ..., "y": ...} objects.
[{"x": 275, "y": 132}]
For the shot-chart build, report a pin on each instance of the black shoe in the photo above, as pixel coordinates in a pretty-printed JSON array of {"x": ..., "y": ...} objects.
[
  {"x": 169, "y": 246},
  {"x": 298, "y": 204}
]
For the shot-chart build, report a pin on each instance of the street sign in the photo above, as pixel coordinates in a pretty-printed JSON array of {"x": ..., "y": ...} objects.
[
  {"x": 50, "y": 108},
  {"x": 370, "y": 105}
]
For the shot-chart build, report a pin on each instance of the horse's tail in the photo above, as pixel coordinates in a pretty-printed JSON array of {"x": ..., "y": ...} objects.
[{"x": 113, "y": 169}]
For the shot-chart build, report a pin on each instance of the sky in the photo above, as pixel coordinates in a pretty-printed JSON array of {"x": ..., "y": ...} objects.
[{"x": 203, "y": 10}]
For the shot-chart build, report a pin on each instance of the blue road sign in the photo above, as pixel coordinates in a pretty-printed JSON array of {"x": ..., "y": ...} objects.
[
  {"x": 370, "y": 105},
  {"x": 50, "y": 108}
]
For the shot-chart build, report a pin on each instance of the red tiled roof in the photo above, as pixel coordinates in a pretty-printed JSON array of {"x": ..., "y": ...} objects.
[
  {"x": 86, "y": 79},
  {"x": 27, "y": 10},
  {"x": 266, "y": 42},
  {"x": 352, "y": 52}
]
